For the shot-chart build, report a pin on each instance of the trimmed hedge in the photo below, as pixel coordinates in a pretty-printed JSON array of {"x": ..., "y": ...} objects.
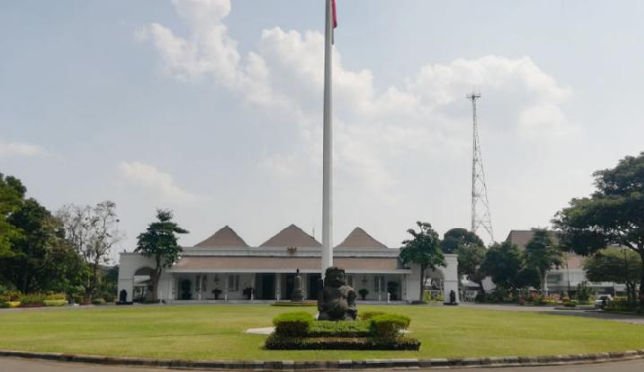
[
  {"x": 294, "y": 304},
  {"x": 9, "y": 304},
  {"x": 369, "y": 314},
  {"x": 55, "y": 302},
  {"x": 276, "y": 342},
  {"x": 56, "y": 296},
  {"x": 380, "y": 331},
  {"x": 329, "y": 328},
  {"x": 33, "y": 300},
  {"x": 388, "y": 325},
  {"x": 293, "y": 324}
]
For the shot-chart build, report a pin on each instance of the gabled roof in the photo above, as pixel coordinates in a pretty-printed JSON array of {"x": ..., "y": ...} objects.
[
  {"x": 522, "y": 237},
  {"x": 291, "y": 236},
  {"x": 223, "y": 238},
  {"x": 358, "y": 238}
]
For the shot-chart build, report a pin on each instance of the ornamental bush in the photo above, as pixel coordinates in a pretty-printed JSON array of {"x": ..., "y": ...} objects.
[
  {"x": 388, "y": 325},
  {"x": 56, "y": 296},
  {"x": 55, "y": 302},
  {"x": 367, "y": 315},
  {"x": 328, "y": 328},
  {"x": 293, "y": 324},
  {"x": 98, "y": 301},
  {"x": 33, "y": 300}
]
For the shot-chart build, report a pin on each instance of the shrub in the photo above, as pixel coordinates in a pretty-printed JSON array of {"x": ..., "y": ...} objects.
[
  {"x": 584, "y": 293},
  {"x": 388, "y": 325},
  {"x": 98, "y": 301},
  {"x": 9, "y": 304},
  {"x": 55, "y": 302},
  {"x": 295, "y": 303},
  {"x": 620, "y": 304},
  {"x": 33, "y": 300},
  {"x": 347, "y": 328},
  {"x": 293, "y": 324},
  {"x": 56, "y": 296},
  {"x": 363, "y": 292},
  {"x": 571, "y": 303},
  {"x": 367, "y": 315},
  {"x": 10, "y": 296},
  {"x": 276, "y": 342}
]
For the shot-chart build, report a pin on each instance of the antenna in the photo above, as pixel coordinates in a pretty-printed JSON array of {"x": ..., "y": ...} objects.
[{"x": 479, "y": 187}]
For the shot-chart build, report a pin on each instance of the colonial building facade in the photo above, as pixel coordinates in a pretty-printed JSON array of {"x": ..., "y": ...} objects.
[{"x": 224, "y": 267}]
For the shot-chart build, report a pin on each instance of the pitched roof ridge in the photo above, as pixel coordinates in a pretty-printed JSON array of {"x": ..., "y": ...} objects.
[
  {"x": 224, "y": 237},
  {"x": 359, "y": 238},
  {"x": 292, "y": 235}
]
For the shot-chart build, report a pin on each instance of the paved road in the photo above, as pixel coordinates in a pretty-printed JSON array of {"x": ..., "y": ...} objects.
[
  {"x": 26, "y": 365},
  {"x": 596, "y": 314}
]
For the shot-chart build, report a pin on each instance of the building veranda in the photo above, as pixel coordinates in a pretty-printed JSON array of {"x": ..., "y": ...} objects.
[{"x": 225, "y": 268}]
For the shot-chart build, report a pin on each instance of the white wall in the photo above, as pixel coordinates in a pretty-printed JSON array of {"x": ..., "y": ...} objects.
[{"x": 129, "y": 263}]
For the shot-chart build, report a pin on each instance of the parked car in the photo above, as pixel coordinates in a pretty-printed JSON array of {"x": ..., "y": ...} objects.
[{"x": 603, "y": 300}]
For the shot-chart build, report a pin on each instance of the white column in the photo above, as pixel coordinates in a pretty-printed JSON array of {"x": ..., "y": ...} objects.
[
  {"x": 327, "y": 153},
  {"x": 278, "y": 286}
]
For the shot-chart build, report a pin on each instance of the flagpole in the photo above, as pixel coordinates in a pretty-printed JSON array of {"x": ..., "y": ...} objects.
[{"x": 327, "y": 161}]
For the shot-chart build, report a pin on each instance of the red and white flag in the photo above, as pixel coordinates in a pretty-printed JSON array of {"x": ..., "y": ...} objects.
[{"x": 335, "y": 14}]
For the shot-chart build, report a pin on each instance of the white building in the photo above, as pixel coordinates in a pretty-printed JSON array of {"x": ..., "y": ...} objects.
[
  {"x": 566, "y": 277},
  {"x": 224, "y": 268}
]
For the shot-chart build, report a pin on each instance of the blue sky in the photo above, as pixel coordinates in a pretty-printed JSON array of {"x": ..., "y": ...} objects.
[{"x": 212, "y": 109}]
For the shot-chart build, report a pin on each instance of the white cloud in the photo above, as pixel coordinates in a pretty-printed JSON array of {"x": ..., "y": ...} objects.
[
  {"x": 17, "y": 149},
  {"x": 415, "y": 125},
  {"x": 153, "y": 180}
]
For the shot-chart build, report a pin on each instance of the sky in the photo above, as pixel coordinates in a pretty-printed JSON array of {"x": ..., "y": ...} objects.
[{"x": 213, "y": 109}]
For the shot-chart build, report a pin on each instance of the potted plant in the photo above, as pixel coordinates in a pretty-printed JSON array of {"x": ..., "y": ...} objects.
[
  {"x": 216, "y": 292},
  {"x": 248, "y": 292},
  {"x": 363, "y": 292}
]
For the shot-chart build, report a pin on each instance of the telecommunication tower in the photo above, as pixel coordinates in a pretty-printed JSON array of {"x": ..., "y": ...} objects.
[{"x": 481, "y": 217}]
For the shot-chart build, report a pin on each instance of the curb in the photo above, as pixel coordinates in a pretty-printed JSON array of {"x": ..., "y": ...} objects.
[{"x": 497, "y": 362}]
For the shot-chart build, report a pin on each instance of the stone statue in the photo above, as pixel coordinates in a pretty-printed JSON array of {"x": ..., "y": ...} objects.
[
  {"x": 298, "y": 291},
  {"x": 337, "y": 300}
]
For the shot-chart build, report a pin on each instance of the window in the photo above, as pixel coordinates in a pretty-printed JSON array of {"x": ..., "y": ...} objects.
[{"x": 233, "y": 283}]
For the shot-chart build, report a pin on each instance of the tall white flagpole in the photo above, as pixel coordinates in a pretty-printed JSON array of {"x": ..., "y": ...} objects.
[{"x": 327, "y": 174}]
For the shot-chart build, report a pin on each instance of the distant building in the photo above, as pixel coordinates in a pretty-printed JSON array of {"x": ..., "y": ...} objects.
[
  {"x": 226, "y": 264},
  {"x": 570, "y": 274}
]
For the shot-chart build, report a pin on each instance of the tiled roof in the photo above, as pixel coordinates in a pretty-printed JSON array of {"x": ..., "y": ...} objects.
[
  {"x": 291, "y": 236},
  {"x": 223, "y": 238},
  {"x": 522, "y": 237},
  {"x": 271, "y": 264},
  {"x": 358, "y": 238}
]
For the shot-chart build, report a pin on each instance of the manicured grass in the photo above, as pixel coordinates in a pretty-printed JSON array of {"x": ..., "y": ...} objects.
[{"x": 217, "y": 332}]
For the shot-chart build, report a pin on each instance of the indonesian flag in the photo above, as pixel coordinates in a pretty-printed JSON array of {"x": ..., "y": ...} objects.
[{"x": 335, "y": 14}]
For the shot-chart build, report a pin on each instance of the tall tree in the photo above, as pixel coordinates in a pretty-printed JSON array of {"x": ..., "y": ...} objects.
[
  {"x": 541, "y": 255},
  {"x": 38, "y": 251},
  {"x": 612, "y": 215},
  {"x": 471, "y": 252},
  {"x": 423, "y": 249},
  {"x": 503, "y": 262},
  {"x": 92, "y": 231},
  {"x": 619, "y": 265},
  {"x": 159, "y": 242},
  {"x": 12, "y": 193}
]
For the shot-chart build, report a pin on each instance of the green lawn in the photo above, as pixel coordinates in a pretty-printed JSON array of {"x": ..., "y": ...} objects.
[{"x": 217, "y": 332}]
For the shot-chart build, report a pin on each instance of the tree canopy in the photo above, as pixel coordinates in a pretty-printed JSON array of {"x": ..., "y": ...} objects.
[
  {"x": 542, "y": 254},
  {"x": 423, "y": 249},
  {"x": 612, "y": 215},
  {"x": 619, "y": 265},
  {"x": 470, "y": 250},
  {"x": 503, "y": 262},
  {"x": 159, "y": 242}
]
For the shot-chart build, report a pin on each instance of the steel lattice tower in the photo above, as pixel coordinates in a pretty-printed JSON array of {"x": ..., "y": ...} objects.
[{"x": 481, "y": 217}]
